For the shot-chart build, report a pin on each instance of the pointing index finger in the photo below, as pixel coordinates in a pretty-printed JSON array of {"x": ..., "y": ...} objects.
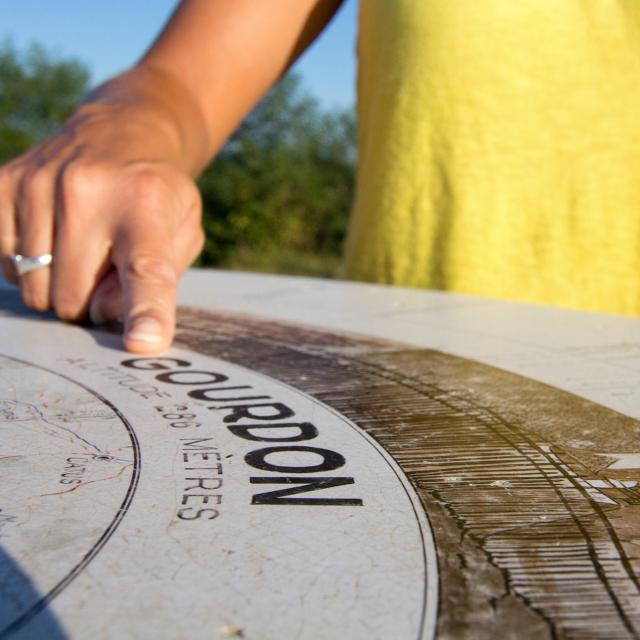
[
  {"x": 145, "y": 264},
  {"x": 154, "y": 238}
]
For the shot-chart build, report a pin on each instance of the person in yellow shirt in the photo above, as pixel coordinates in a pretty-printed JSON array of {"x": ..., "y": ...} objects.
[
  {"x": 499, "y": 155},
  {"x": 500, "y": 152}
]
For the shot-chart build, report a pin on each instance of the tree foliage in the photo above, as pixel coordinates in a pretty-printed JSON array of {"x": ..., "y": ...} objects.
[
  {"x": 278, "y": 196},
  {"x": 37, "y": 93}
]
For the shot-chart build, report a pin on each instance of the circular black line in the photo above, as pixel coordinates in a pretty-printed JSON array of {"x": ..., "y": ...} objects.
[
  {"x": 381, "y": 451},
  {"x": 108, "y": 532}
]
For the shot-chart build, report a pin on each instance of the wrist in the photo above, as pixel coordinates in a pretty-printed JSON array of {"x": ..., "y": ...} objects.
[{"x": 155, "y": 105}]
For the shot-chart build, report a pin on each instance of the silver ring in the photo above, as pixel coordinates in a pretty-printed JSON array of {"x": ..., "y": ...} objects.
[{"x": 23, "y": 264}]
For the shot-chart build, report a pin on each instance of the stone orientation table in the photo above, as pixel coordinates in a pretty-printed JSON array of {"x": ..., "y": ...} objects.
[{"x": 318, "y": 459}]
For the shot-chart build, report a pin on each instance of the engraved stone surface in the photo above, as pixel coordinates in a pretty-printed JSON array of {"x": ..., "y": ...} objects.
[
  {"x": 69, "y": 470},
  {"x": 272, "y": 479}
]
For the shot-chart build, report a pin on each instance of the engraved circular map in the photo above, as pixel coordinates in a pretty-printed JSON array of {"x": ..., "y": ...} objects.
[{"x": 69, "y": 469}]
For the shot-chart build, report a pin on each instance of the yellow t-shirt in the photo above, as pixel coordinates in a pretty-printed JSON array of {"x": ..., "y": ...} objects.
[{"x": 500, "y": 149}]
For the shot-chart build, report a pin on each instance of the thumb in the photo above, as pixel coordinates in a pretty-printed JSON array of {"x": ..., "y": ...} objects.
[{"x": 107, "y": 303}]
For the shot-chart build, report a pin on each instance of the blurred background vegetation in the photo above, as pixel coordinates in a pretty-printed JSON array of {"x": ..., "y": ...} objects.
[{"x": 276, "y": 198}]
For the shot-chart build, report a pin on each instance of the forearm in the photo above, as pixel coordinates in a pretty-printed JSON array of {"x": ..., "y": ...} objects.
[{"x": 210, "y": 65}]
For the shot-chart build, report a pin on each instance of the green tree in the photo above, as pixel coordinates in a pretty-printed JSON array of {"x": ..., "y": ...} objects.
[
  {"x": 278, "y": 196},
  {"x": 38, "y": 92}
]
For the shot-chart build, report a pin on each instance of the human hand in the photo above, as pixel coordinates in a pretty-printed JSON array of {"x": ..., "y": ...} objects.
[{"x": 109, "y": 198}]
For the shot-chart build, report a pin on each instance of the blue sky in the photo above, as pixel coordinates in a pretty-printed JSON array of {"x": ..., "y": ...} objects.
[{"x": 108, "y": 36}]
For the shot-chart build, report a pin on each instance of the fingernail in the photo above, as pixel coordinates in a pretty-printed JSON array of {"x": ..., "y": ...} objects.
[{"x": 146, "y": 330}]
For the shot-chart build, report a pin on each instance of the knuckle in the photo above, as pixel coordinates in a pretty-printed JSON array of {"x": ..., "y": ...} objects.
[
  {"x": 13, "y": 170},
  {"x": 6, "y": 182},
  {"x": 191, "y": 206},
  {"x": 189, "y": 223},
  {"x": 196, "y": 209},
  {"x": 80, "y": 178},
  {"x": 193, "y": 250},
  {"x": 36, "y": 183},
  {"x": 147, "y": 186},
  {"x": 200, "y": 239},
  {"x": 197, "y": 249},
  {"x": 151, "y": 268}
]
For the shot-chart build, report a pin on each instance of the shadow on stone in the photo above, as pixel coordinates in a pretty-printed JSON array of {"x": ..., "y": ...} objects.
[{"x": 24, "y": 613}]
